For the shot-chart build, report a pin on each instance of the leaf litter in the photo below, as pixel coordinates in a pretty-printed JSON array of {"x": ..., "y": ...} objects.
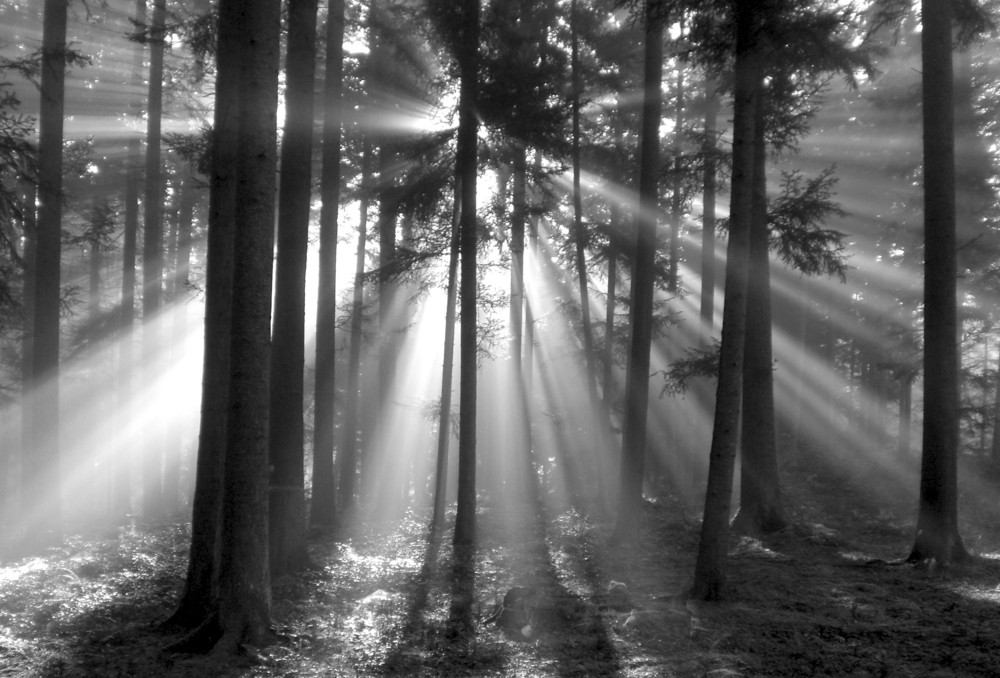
[{"x": 827, "y": 596}]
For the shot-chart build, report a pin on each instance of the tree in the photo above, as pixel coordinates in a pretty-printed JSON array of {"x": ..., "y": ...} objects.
[
  {"x": 286, "y": 433},
  {"x": 133, "y": 170},
  {"x": 347, "y": 460},
  {"x": 40, "y": 466},
  {"x": 200, "y": 595},
  {"x": 447, "y": 370},
  {"x": 709, "y": 178},
  {"x": 244, "y": 582},
  {"x": 709, "y": 576},
  {"x": 152, "y": 253},
  {"x": 760, "y": 497},
  {"x": 637, "y": 376},
  {"x": 467, "y": 52},
  {"x": 579, "y": 234},
  {"x": 324, "y": 504},
  {"x": 937, "y": 537}
]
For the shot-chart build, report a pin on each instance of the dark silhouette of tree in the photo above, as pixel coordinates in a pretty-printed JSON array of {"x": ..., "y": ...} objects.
[
  {"x": 200, "y": 595},
  {"x": 286, "y": 433},
  {"x": 637, "y": 376},
  {"x": 244, "y": 582},
  {"x": 760, "y": 496},
  {"x": 152, "y": 254},
  {"x": 133, "y": 170},
  {"x": 41, "y": 485},
  {"x": 447, "y": 372},
  {"x": 709, "y": 181},
  {"x": 324, "y": 495},
  {"x": 466, "y": 47},
  {"x": 937, "y": 535},
  {"x": 347, "y": 460},
  {"x": 709, "y": 576}
]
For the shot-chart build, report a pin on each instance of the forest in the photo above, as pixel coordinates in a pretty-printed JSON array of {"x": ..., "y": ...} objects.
[{"x": 499, "y": 338}]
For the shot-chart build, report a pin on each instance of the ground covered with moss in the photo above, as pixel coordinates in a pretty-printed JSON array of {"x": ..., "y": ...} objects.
[{"x": 829, "y": 596}]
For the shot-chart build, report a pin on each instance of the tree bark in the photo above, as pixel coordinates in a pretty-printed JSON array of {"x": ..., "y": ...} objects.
[
  {"x": 710, "y": 577},
  {"x": 637, "y": 376},
  {"x": 677, "y": 185},
  {"x": 152, "y": 259},
  {"x": 937, "y": 535},
  {"x": 324, "y": 495},
  {"x": 347, "y": 461},
  {"x": 286, "y": 438},
  {"x": 200, "y": 596},
  {"x": 707, "y": 308},
  {"x": 41, "y": 487},
  {"x": 121, "y": 502},
  {"x": 244, "y": 582},
  {"x": 760, "y": 509},
  {"x": 465, "y": 168}
]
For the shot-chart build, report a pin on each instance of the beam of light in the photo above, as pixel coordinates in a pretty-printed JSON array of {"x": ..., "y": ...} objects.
[
  {"x": 99, "y": 432},
  {"x": 399, "y": 453}
]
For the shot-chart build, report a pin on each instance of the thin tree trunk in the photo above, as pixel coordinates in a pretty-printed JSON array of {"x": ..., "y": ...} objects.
[
  {"x": 387, "y": 319},
  {"x": 677, "y": 198},
  {"x": 610, "y": 308},
  {"x": 152, "y": 258},
  {"x": 286, "y": 434},
  {"x": 708, "y": 212},
  {"x": 41, "y": 486},
  {"x": 760, "y": 495},
  {"x": 637, "y": 377},
  {"x": 347, "y": 461},
  {"x": 465, "y": 167},
  {"x": 324, "y": 483},
  {"x": 709, "y": 576},
  {"x": 121, "y": 503},
  {"x": 447, "y": 371}
]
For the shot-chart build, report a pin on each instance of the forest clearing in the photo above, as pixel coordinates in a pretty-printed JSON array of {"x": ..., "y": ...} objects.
[{"x": 828, "y": 596}]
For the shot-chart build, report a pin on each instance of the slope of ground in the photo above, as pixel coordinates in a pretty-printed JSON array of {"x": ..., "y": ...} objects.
[{"x": 826, "y": 597}]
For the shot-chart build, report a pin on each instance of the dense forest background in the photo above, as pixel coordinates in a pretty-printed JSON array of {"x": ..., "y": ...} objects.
[{"x": 566, "y": 318}]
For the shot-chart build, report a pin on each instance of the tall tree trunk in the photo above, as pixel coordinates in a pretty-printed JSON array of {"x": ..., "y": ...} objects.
[
  {"x": 579, "y": 234},
  {"x": 388, "y": 322},
  {"x": 200, "y": 595},
  {"x": 610, "y": 308},
  {"x": 937, "y": 535},
  {"x": 324, "y": 494},
  {"x": 465, "y": 168},
  {"x": 244, "y": 582},
  {"x": 287, "y": 520},
  {"x": 121, "y": 503},
  {"x": 347, "y": 461},
  {"x": 41, "y": 486},
  {"x": 760, "y": 495},
  {"x": 152, "y": 258},
  {"x": 709, "y": 576},
  {"x": 708, "y": 211},
  {"x": 447, "y": 370},
  {"x": 580, "y": 239},
  {"x": 677, "y": 186},
  {"x": 637, "y": 376}
]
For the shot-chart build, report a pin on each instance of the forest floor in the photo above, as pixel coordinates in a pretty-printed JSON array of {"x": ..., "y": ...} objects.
[{"x": 828, "y": 596}]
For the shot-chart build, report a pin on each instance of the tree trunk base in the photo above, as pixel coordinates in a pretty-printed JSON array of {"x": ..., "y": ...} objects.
[{"x": 201, "y": 639}]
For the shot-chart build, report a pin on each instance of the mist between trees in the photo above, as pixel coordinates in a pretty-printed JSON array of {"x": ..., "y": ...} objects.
[{"x": 295, "y": 269}]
